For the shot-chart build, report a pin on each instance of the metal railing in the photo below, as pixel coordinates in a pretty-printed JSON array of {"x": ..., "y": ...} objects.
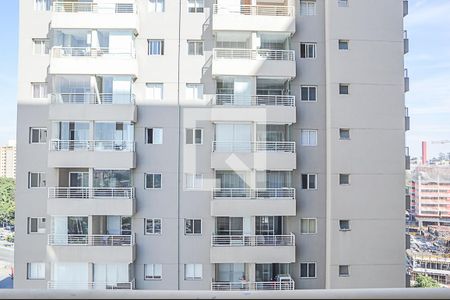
[
  {"x": 89, "y": 193},
  {"x": 244, "y": 146},
  {"x": 255, "y": 10},
  {"x": 264, "y": 286},
  {"x": 90, "y": 240},
  {"x": 71, "y": 145},
  {"x": 65, "y": 285},
  {"x": 258, "y": 193},
  {"x": 252, "y": 240},
  {"x": 90, "y": 7},
  {"x": 258, "y": 100},
  {"x": 253, "y": 54},
  {"x": 92, "y": 98},
  {"x": 58, "y": 51}
]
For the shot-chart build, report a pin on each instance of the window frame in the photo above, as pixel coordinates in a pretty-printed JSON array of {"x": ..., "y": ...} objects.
[
  {"x": 195, "y": 88},
  {"x": 308, "y": 181},
  {"x": 309, "y": 131},
  {"x": 195, "y": 268},
  {"x": 43, "y": 44},
  {"x": 308, "y": 3},
  {"x": 193, "y": 227},
  {"x": 196, "y": 8},
  {"x": 309, "y": 227},
  {"x": 347, "y": 274},
  {"x": 343, "y": 3},
  {"x": 43, "y": 90},
  {"x": 41, "y": 178},
  {"x": 146, "y": 186},
  {"x": 152, "y": 7},
  {"x": 150, "y": 49},
  {"x": 307, "y": 50},
  {"x": 29, "y": 264},
  {"x": 308, "y": 88},
  {"x": 340, "y": 177},
  {"x": 40, "y": 130},
  {"x": 342, "y": 228},
  {"x": 194, "y": 143},
  {"x": 344, "y": 42},
  {"x": 308, "y": 263},
  {"x": 146, "y": 232},
  {"x": 153, "y": 277},
  {"x": 153, "y": 129},
  {"x": 342, "y": 130},
  {"x": 199, "y": 47},
  {"x": 344, "y": 86},
  {"x": 154, "y": 85},
  {"x": 194, "y": 178},
  {"x": 39, "y": 221}
]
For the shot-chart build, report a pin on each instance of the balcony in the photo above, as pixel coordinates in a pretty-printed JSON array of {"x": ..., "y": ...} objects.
[
  {"x": 253, "y": 202},
  {"x": 90, "y": 201},
  {"x": 253, "y": 248},
  {"x": 89, "y": 60},
  {"x": 253, "y": 155},
  {"x": 259, "y": 108},
  {"x": 79, "y": 15},
  {"x": 90, "y": 285},
  {"x": 255, "y": 286},
  {"x": 92, "y": 106},
  {"x": 91, "y": 248},
  {"x": 263, "y": 18},
  {"x": 91, "y": 154},
  {"x": 253, "y": 62}
]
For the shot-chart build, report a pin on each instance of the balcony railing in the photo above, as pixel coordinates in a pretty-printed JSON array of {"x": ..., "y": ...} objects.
[
  {"x": 245, "y": 146},
  {"x": 263, "y": 286},
  {"x": 258, "y": 193},
  {"x": 253, "y": 54},
  {"x": 92, "y": 98},
  {"x": 64, "y": 145},
  {"x": 255, "y": 10},
  {"x": 58, "y": 51},
  {"x": 252, "y": 240},
  {"x": 66, "y": 285},
  {"x": 258, "y": 100},
  {"x": 90, "y": 240},
  {"x": 89, "y": 193},
  {"x": 89, "y": 7}
]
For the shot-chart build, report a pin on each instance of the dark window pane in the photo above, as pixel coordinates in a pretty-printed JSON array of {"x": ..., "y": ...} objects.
[
  {"x": 312, "y": 94},
  {"x": 303, "y": 270},
  {"x": 189, "y": 136},
  {"x": 304, "y": 181},
  {"x": 305, "y": 94},
  {"x": 312, "y": 181},
  {"x": 149, "y": 136}
]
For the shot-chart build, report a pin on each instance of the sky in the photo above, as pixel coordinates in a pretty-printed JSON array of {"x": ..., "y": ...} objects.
[{"x": 428, "y": 62}]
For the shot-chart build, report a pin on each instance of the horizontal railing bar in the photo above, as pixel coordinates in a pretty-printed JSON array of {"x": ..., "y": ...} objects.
[
  {"x": 256, "y": 100},
  {"x": 253, "y": 193},
  {"x": 90, "y": 193},
  {"x": 253, "y": 54},
  {"x": 263, "y": 10},
  {"x": 60, "y": 51},
  {"x": 90, "y": 7},
  {"x": 90, "y": 240},
  {"x": 91, "y": 145},
  {"x": 252, "y": 240},
  {"x": 93, "y": 98},
  {"x": 251, "y": 146}
]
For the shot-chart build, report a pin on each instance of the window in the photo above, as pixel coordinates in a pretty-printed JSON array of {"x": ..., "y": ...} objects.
[
  {"x": 342, "y": 3},
  {"x": 309, "y": 181},
  {"x": 309, "y": 137},
  {"x": 344, "y": 225},
  {"x": 154, "y": 91},
  {"x": 344, "y": 134},
  {"x": 195, "y": 47},
  {"x": 36, "y": 225},
  {"x": 152, "y": 272},
  {"x": 194, "y": 136},
  {"x": 343, "y": 44},
  {"x": 40, "y": 46},
  {"x": 156, "y": 6},
  {"x": 196, "y": 6},
  {"x": 42, "y": 5},
  {"x": 193, "y": 271},
  {"x": 36, "y": 179},
  {"x": 153, "y": 181},
  {"x": 154, "y": 136},
  {"x": 309, "y": 93},
  {"x": 38, "y": 135},
  {"x": 308, "y": 226},
  {"x": 153, "y": 226},
  {"x": 307, "y": 8},
  {"x": 194, "y": 181},
  {"x": 308, "y": 50},
  {"x": 344, "y": 179},
  {"x": 307, "y": 270},
  {"x": 343, "y": 89},
  {"x": 192, "y": 226},
  {"x": 35, "y": 271},
  {"x": 155, "y": 47},
  {"x": 39, "y": 90},
  {"x": 344, "y": 271},
  {"x": 194, "y": 91}
]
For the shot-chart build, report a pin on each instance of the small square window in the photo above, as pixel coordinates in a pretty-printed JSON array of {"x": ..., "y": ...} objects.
[
  {"x": 196, "y": 6},
  {"x": 155, "y": 47},
  {"x": 344, "y": 89},
  {"x": 308, "y": 50},
  {"x": 36, "y": 225},
  {"x": 342, "y": 3},
  {"x": 152, "y": 271},
  {"x": 344, "y": 225},
  {"x": 40, "y": 46},
  {"x": 36, "y": 271},
  {"x": 344, "y": 271},
  {"x": 154, "y": 91},
  {"x": 344, "y": 179},
  {"x": 195, "y": 47},
  {"x": 343, "y": 45},
  {"x": 154, "y": 136},
  {"x": 309, "y": 181},
  {"x": 309, "y": 137},
  {"x": 194, "y": 136},
  {"x": 344, "y": 134},
  {"x": 39, "y": 90},
  {"x": 194, "y": 91},
  {"x": 307, "y": 270},
  {"x": 308, "y": 226},
  {"x": 193, "y": 271},
  {"x": 156, "y": 6},
  {"x": 308, "y": 93},
  {"x": 36, "y": 180},
  {"x": 192, "y": 226},
  {"x": 153, "y": 226},
  {"x": 38, "y": 135},
  {"x": 153, "y": 181},
  {"x": 307, "y": 7},
  {"x": 194, "y": 181}
]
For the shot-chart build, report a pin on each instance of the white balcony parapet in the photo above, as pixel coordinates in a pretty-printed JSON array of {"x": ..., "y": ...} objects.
[
  {"x": 253, "y": 54},
  {"x": 90, "y": 193},
  {"x": 260, "y": 286},
  {"x": 258, "y": 100},
  {"x": 93, "y": 52},
  {"x": 252, "y": 240},
  {"x": 255, "y": 10},
  {"x": 90, "y": 7},
  {"x": 90, "y": 240},
  {"x": 65, "y": 285},
  {"x": 244, "y": 146},
  {"x": 258, "y": 193},
  {"x": 97, "y": 145},
  {"x": 92, "y": 98}
]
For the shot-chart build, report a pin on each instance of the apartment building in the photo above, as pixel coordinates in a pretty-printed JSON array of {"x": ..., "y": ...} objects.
[
  {"x": 200, "y": 144},
  {"x": 8, "y": 160}
]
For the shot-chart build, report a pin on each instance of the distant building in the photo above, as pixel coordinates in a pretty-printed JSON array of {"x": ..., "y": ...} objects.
[
  {"x": 437, "y": 266},
  {"x": 8, "y": 160}
]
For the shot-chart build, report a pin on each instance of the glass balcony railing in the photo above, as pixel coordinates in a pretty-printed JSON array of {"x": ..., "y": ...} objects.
[
  {"x": 86, "y": 145},
  {"x": 92, "y": 98}
]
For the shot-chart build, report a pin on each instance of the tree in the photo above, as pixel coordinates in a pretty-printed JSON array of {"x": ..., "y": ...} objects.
[
  {"x": 7, "y": 200},
  {"x": 423, "y": 281}
]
